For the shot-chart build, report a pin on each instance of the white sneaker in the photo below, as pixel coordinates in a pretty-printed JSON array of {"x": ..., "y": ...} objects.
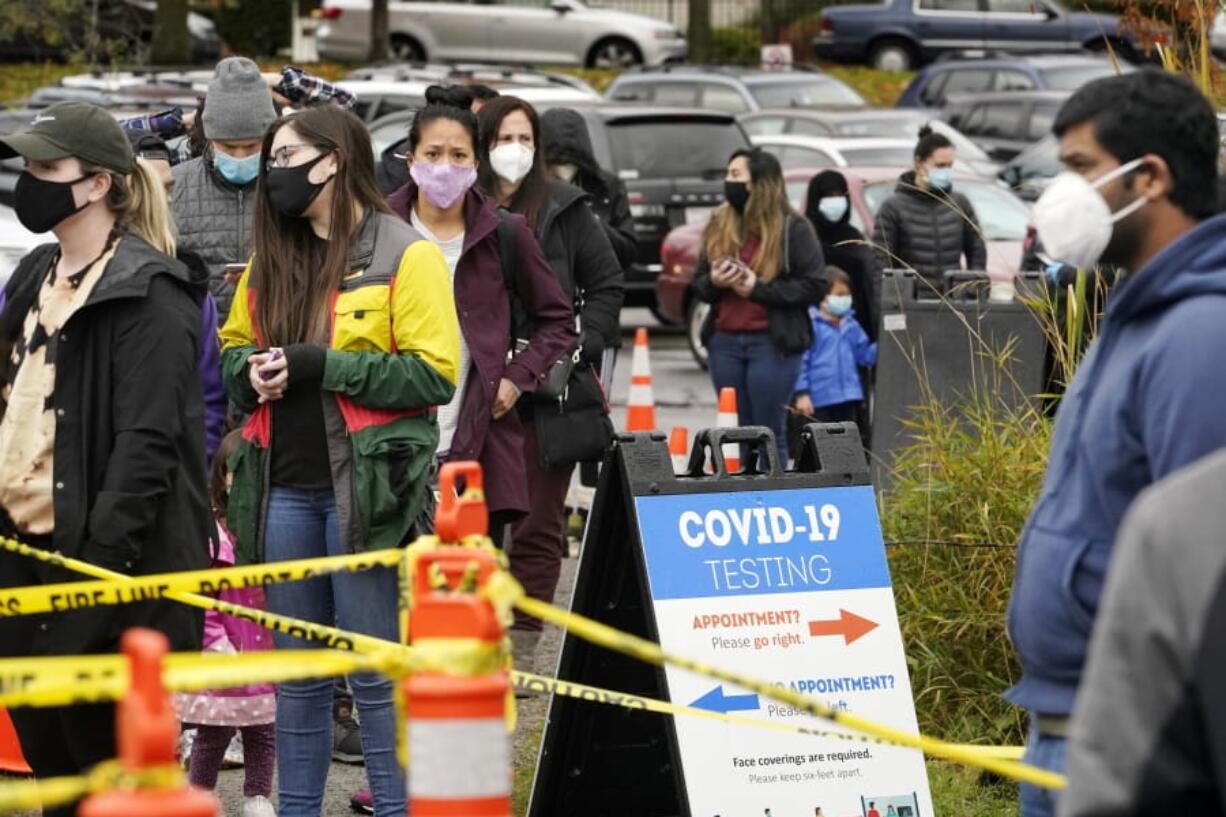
[{"x": 258, "y": 806}]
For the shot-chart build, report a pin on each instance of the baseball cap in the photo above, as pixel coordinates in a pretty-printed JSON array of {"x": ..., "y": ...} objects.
[{"x": 72, "y": 129}]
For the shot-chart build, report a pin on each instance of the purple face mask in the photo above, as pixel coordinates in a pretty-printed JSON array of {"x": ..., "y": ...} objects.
[{"x": 443, "y": 183}]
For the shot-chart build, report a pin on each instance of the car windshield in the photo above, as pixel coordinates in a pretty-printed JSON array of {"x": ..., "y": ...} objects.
[
  {"x": 1002, "y": 216},
  {"x": 887, "y": 156},
  {"x": 899, "y": 128},
  {"x": 816, "y": 92},
  {"x": 673, "y": 148},
  {"x": 384, "y": 136},
  {"x": 1073, "y": 77}
]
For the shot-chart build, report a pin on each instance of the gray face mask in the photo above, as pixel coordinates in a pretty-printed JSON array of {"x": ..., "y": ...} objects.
[{"x": 567, "y": 172}]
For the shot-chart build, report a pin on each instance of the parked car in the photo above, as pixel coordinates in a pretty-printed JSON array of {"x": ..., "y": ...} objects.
[
  {"x": 376, "y": 99},
  {"x": 542, "y": 32},
  {"x": 898, "y": 35},
  {"x": 1051, "y": 72},
  {"x": 794, "y": 152},
  {"x": 1029, "y": 173},
  {"x": 15, "y": 242},
  {"x": 1003, "y": 218},
  {"x": 1005, "y": 124},
  {"x": 733, "y": 90},
  {"x": 484, "y": 73},
  {"x": 899, "y": 123}
]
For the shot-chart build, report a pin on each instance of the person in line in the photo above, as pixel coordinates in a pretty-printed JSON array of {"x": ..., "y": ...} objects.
[
  {"x": 441, "y": 202},
  {"x": 1149, "y": 725},
  {"x": 102, "y": 434},
  {"x": 392, "y": 171},
  {"x": 249, "y": 710},
  {"x": 761, "y": 268},
  {"x": 1139, "y": 192},
  {"x": 152, "y": 150},
  {"x": 341, "y": 370},
  {"x": 828, "y": 389},
  {"x": 569, "y": 158},
  {"x": 828, "y": 208},
  {"x": 574, "y": 427},
  {"x": 926, "y": 225}
]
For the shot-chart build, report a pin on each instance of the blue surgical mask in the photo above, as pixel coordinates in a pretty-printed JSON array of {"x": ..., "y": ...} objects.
[
  {"x": 838, "y": 305},
  {"x": 942, "y": 178},
  {"x": 833, "y": 208},
  {"x": 236, "y": 171}
]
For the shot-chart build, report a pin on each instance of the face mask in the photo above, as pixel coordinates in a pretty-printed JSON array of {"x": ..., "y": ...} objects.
[
  {"x": 291, "y": 190},
  {"x": 737, "y": 195},
  {"x": 41, "y": 205},
  {"x": 443, "y": 184},
  {"x": 512, "y": 161},
  {"x": 838, "y": 305},
  {"x": 566, "y": 173},
  {"x": 942, "y": 178},
  {"x": 236, "y": 171},
  {"x": 1075, "y": 222},
  {"x": 833, "y": 208}
]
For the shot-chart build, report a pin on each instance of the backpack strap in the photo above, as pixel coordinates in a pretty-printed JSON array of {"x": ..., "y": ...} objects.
[{"x": 508, "y": 257}]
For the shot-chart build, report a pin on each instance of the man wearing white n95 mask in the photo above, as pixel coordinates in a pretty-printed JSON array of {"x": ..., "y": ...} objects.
[{"x": 1140, "y": 152}]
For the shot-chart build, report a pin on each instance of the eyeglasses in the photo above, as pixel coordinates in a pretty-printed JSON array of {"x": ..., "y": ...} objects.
[{"x": 282, "y": 155}]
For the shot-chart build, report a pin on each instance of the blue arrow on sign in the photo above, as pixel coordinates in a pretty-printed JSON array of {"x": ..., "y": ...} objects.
[{"x": 717, "y": 701}]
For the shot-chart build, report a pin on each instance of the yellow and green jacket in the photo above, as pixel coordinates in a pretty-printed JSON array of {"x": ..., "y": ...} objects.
[{"x": 393, "y": 356}]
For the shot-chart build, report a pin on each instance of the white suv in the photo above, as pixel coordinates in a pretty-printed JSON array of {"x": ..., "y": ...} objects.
[{"x": 539, "y": 32}]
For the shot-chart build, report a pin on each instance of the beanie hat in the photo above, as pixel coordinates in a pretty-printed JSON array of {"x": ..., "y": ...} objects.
[{"x": 238, "y": 104}]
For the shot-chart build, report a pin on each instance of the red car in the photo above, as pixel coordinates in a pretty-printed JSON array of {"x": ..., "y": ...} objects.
[{"x": 1003, "y": 217}]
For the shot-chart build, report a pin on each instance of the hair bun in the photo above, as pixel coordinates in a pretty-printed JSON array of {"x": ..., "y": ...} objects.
[
  {"x": 451, "y": 96},
  {"x": 926, "y": 131}
]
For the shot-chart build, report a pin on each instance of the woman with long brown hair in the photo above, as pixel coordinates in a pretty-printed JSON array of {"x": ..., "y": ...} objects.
[
  {"x": 341, "y": 341},
  {"x": 761, "y": 268}
]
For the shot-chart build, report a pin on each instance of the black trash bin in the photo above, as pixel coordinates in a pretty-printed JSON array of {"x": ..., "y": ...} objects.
[{"x": 936, "y": 345}]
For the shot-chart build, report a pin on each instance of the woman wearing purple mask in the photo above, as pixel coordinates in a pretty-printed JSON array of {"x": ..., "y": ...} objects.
[{"x": 440, "y": 202}]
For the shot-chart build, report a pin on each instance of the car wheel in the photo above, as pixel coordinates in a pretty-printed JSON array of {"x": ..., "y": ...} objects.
[
  {"x": 407, "y": 49},
  {"x": 891, "y": 55},
  {"x": 693, "y": 331},
  {"x": 614, "y": 52}
]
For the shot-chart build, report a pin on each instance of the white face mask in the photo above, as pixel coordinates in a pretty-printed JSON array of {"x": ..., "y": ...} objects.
[
  {"x": 512, "y": 161},
  {"x": 1075, "y": 222}
]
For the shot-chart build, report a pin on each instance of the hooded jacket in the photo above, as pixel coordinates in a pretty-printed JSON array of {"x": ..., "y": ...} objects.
[
  {"x": 928, "y": 231},
  {"x": 214, "y": 221},
  {"x": 845, "y": 247},
  {"x": 567, "y": 141},
  {"x": 484, "y": 308},
  {"x": 1146, "y": 400},
  {"x": 129, "y": 444},
  {"x": 577, "y": 248},
  {"x": 830, "y": 373}
]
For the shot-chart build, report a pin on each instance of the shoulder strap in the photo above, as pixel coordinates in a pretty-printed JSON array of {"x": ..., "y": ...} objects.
[{"x": 508, "y": 250}]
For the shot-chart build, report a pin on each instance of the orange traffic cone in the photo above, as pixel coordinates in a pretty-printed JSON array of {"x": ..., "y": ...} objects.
[
  {"x": 11, "y": 758},
  {"x": 641, "y": 407},
  {"x": 147, "y": 732},
  {"x": 728, "y": 419},
  {"x": 679, "y": 448}
]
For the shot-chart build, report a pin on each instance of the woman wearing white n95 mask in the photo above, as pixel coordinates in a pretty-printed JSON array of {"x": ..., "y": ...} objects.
[{"x": 572, "y": 427}]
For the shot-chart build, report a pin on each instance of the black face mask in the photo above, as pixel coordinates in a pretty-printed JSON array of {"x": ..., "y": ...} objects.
[
  {"x": 290, "y": 189},
  {"x": 41, "y": 204},
  {"x": 737, "y": 194}
]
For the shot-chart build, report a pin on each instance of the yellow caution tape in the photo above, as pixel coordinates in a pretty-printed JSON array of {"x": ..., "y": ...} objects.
[
  {"x": 55, "y": 598},
  {"x": 27, "y": 795},
  {"x": 506, "y": 590},
  {"x": 540, "y": 684}
]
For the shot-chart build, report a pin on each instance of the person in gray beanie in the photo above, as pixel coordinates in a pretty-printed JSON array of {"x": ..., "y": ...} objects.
[{"x": 213, "y": 194}]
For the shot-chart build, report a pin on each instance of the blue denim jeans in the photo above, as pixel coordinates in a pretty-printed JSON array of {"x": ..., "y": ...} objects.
[
  {"x": 1046, "y": 752},
  {"x": 764, "y": 381},
  {"x": 301, "y": 525}
]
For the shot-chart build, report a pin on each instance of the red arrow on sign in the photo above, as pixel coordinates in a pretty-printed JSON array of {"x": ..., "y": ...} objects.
[{"x": 849, "y": 625}]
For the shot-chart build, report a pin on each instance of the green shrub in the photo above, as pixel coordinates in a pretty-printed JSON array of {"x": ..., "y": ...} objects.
[
  {"x": 737, "y": 46},
  {"x": 254, "y": 29}
]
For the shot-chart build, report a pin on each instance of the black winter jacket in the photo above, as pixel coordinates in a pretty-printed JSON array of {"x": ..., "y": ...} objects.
[
  {"x": 928, "y": 231},
  {"x": 567, "y": 141},
  {"x": 129, "y": 464},
  {"x": 787, "y": 299},
  {"x": 578, "y": 250}
]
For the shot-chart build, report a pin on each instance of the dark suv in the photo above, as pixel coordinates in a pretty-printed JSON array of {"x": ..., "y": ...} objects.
[
  {"x": 898, "y": 35},
  {"x": 673, "y": 163},
  {"x": 1050, "y": 72},
  {"x": 733, "y": 90},
  {"x": 1005, "y": 124}
]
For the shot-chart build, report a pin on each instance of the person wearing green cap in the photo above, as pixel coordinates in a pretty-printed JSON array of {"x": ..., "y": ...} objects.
[{"x": 101, "y": 422}]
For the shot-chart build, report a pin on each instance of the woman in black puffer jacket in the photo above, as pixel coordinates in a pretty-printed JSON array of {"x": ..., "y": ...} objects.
[{"x": 926, "y": 225}]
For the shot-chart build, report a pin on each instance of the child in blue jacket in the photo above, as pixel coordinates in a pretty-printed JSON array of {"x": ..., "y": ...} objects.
[{"x": 828, "y": 389}]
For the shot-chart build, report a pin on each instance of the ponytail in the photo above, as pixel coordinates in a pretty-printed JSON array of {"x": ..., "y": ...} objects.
[{"x": 139, "y": 203}]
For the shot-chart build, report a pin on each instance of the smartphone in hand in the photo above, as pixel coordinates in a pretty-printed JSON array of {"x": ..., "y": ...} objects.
[{"x": 276, "y": 355}]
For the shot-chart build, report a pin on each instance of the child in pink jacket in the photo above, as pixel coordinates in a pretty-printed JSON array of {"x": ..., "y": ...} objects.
[{"x": 250, "y": 709}]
